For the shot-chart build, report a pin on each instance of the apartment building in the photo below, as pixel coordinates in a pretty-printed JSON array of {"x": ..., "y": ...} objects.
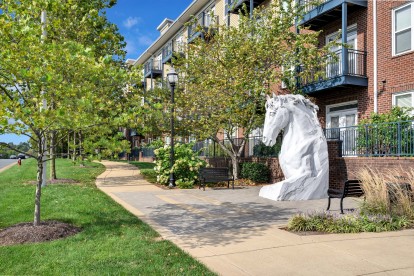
[{"x": 374, "y": 73}]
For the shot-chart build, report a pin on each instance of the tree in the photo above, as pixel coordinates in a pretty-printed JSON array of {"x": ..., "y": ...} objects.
[
  {"x": 83, "y": 86},
  {"x": 225, "y": 77}
]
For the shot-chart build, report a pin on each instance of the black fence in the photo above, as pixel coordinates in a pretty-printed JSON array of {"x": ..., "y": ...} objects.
[
  {"x": 357, "y": 66},
  {"x": 385, "y": 139}
]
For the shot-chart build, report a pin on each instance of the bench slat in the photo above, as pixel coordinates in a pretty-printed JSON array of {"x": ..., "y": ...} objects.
[
  {"x": 214, "y": 175},
  {"x": 352, "y": 188}
]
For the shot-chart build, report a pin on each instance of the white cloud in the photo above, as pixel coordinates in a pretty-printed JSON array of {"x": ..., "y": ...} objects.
[{"x": 131, "y": 22}]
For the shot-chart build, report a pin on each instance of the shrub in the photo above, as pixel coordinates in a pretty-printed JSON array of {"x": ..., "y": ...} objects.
[
  {"x": 262, "y": 150},
  {"x": 185, "y": 183},
  {"x": 186, "y": 165},
  {"x": 255, "y": 171},
  {"x": 347, "y": 223}
]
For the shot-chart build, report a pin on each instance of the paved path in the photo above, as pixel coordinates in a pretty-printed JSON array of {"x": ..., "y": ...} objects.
[
  {"x": 7, "y": 163},
  {"x": 235, "y": 232}
]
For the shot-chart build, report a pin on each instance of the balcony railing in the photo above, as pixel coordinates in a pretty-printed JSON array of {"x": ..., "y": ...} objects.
[
  {"x": 334, "y": 67},
  {"x": 203, "y": 24},
  {"x": 172, "y": 48},
  {"x": 153, "y": 66},
  {"x": 309, "y": 5},
  {"x": 384, "y": 139},
  {"x": 235, "y": 6},
  {"x": 317, "y": 14},
  {"x": 167, "y": 51}
]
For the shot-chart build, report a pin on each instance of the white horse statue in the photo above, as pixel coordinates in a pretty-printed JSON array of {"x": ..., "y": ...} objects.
[{"x": 304, "y": 153}]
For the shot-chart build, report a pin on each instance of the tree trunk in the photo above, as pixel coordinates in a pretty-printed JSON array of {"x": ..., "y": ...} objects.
[
  {"x": 80, "y": 149},
  {"x": 235, "y": 158},
  {"x": 36, "y": 220},
  {"x": 235, "y": 161},
  {"x": 68, "y": 145},
  {"x": 53, "y": 155},
  {"x": 74, "y": 147}
]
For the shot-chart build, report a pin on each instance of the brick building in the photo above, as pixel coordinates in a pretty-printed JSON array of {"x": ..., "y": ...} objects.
[
  {"x": 374, "y": 73},
  {"x": 378, "y": 71}
]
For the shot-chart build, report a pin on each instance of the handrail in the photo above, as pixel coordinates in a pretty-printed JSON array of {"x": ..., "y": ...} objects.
[{"x": 357, "y": 66}]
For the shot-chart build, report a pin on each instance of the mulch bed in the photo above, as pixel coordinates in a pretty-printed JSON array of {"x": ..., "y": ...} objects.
[{"x": 27, "y": 233}]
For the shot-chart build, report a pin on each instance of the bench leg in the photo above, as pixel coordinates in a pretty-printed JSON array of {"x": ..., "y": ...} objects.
[
  {"x": 329, "y": 203},
  {"x": 342, "y": 207},
  {"x": 228, "y": 184},
  {"x": 232, "y": 184}
]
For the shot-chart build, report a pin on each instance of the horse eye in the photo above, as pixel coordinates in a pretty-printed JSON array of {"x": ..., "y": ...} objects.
[{"x": 272, "y": 113}]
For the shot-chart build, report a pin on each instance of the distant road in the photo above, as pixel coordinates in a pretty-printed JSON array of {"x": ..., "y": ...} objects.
[{"x": 6, "y": 162}]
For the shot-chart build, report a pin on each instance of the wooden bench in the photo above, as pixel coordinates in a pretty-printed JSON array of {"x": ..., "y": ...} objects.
[
  {"x": 214, "y": 175},
  {"x": 352, "y": 188}
]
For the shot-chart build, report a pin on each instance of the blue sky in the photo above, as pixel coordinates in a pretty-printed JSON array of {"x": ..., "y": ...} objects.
[{"x": 137, "y": 21}]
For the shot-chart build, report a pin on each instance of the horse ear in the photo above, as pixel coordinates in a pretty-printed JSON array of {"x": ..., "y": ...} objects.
[
  {"x": 274, "y": 95},
  {"x": 267, "y": 97}
]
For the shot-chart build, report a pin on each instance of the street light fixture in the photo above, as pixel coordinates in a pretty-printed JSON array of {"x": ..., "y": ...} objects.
[{"x": 172, "y": 78}]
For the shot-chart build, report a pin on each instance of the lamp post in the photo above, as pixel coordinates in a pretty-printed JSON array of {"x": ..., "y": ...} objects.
[{"x": 172, "y": 77}]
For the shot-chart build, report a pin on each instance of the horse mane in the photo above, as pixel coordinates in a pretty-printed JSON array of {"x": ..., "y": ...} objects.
[{"x": 296, "y": 99}]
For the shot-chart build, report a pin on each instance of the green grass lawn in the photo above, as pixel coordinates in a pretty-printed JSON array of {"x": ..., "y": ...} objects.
[
  {"x": 112, "y": 241},
  {"x": 146, "y": 169}
]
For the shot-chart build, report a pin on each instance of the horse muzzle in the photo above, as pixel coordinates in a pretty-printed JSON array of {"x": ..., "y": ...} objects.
[{"x": 267, "y": 141}]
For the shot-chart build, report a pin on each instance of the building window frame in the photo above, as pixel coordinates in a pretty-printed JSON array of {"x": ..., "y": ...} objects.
[
  {"x": 394, "y": 32},
  {"x": 395, "y": 95}
]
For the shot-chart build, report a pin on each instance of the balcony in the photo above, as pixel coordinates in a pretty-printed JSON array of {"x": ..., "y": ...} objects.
[
  {"x": 203, "y": 25},
  {"x": 335, "y": 74},
  {"x": 153, "y": 69},
  {"x": 235, "y": 6},
  {"x": 172, "y": 49},
  {"x": 327, "y": 11}
]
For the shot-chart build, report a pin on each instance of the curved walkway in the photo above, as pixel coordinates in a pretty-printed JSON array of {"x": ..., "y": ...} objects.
[{"x": 235, "y": 232}]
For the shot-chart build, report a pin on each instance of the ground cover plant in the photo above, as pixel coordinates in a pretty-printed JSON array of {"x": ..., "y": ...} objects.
[
  {"x": 388, "y": 206},
  {"x": 111, "y": 241}
]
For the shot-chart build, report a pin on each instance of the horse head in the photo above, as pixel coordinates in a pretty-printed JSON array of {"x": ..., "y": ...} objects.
[{"x": 277, "y": 118}]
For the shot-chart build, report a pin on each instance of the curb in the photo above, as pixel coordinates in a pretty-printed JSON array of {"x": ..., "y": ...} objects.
[{"x": 7, "y": 167}]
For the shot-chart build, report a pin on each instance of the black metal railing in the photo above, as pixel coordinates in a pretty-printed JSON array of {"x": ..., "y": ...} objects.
[
  {"x": 203, "y": 22},
  {"x": 253, "y": 147},
  {"x": 152, "y": 65},
  {"x": 147, "y": 152},
  {"x": 178, "y": 47},
  {"x": 385, "y": 139},
  {"x": 167, "y": 50},
  {"x": 334, "y": 67},
  {"x": 309, "y": 5}
]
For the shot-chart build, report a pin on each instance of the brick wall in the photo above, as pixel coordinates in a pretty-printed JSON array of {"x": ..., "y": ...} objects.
[{"x": 343, "y": 168}]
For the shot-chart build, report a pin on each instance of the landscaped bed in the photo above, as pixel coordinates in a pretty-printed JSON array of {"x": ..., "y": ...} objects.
[
  {"x": 388, "y": 206},
  {"x": 103, "y": 237}
]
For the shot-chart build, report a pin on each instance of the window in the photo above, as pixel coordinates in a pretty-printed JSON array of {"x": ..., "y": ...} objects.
[
  {"x": 405, "y": 99},
  {"x": 402, "y": 24}
]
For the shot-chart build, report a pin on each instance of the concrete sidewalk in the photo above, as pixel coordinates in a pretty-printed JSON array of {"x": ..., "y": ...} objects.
[{"x": 235, "y": 232}]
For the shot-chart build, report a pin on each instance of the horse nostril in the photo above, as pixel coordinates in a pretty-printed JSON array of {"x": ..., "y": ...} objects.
[{"x": 264, "y": 139}]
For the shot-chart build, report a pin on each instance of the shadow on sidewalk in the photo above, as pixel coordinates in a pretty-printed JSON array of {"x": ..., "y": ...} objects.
[{"x": 219, "y": 224}]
